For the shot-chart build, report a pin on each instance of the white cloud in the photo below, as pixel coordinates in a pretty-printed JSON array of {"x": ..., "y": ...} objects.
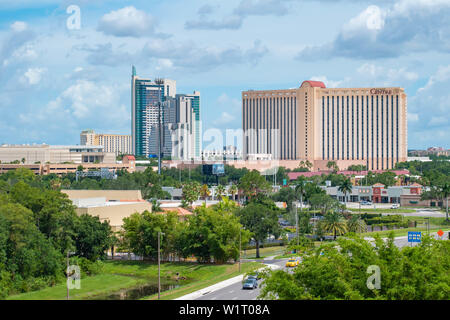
[
  {"x": 127, "y": 22},
  {"x": 402, "y": 28},
  {"x": 386, "y": 76},
  {"x": 33, "y": 75},
  {"x": 19, "y": 26},
  {"x": 413, "y": 117},
  {"x": 329, "y": 83}
]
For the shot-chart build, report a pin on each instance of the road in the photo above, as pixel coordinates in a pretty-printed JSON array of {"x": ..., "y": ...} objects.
[{"x": 235, "y": 292}]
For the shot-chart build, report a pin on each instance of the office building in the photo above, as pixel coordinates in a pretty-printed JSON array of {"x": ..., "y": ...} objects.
[
  {"x": 365, "y": 126},
  {"x": 114, "y": 143},
  {"x": 146, "y": 96},
  {"x": 179, "y": 115}
]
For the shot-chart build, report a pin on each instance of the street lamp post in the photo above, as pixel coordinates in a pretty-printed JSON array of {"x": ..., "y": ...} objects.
[
  {"x": 296, "y": 220},
  {"x": 159, "y": 264},
  {"x": 240, "y": 246}
]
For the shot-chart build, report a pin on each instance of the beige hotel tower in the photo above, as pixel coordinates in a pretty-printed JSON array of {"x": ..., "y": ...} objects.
[{"x": 347, "y": 125}]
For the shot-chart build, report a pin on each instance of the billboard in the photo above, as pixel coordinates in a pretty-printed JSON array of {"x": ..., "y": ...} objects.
[{"x": 218, "y": 169}]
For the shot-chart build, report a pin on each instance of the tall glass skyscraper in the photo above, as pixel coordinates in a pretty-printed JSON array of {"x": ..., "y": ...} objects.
[
  {"x": 145, "y": 112},
  {"x": 145, "y": 98}
]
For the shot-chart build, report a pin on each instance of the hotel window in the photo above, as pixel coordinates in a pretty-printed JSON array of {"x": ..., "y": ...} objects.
[
  {"x": 362, "y": 127},
  {"x": 328, "y": 127},
  {"x": 387, "y": 131},
  {"x": 337, "y": 127},
  {"x": 372, "y": 119},
  {"x": 392, "y": 130},
  {"x": 397, "y": 125},
  {"x": 348, "y": 129},
  {"x": 353, "y": 128},
  {"x": 343, "y": 125},
  {"x": 332, "y": 126},
  {"x": 357, "y": 127},
  {"x": 378, "y": 157},
  {"x": 323, "y": 128},
  {"x": 382, "y": 133}
]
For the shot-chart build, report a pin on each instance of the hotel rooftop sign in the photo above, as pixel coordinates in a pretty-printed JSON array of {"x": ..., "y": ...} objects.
[{"x": 381, "y": 91}]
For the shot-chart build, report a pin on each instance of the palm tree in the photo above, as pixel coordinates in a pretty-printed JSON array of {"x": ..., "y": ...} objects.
[
  {"x": 335, "y": 223},
  {"x": 233, "y": 189},
  {"x": 220, "y": 190},
  {"x": 345, "y": 187},
  {"x": 300, "y": 189},
  {"x": 204, "y": 192},
  {"x": 356, "y": 224},
  {"x": 445, "y": 193}
]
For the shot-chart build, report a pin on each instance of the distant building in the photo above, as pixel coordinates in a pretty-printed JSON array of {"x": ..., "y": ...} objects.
[
  {"x": 145, "y": 111},
  {"x": 227, "y": 153},
  {"x": 115, "y": 143},
  {"x": 351, "y": 126},
  {"x": 43, "y": 153},
  {"x": 437, "y": 151},
  {"x": 109, "y": 205},
  {"x": 156, "y": 101}
]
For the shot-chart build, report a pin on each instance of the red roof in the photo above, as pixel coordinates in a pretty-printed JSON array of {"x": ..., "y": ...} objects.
[
  {"x": 131, "y": 157},
  {"x": 314, "y": 84}
]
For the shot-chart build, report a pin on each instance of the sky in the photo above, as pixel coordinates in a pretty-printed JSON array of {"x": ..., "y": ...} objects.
[{"x": 65, "y": 66}]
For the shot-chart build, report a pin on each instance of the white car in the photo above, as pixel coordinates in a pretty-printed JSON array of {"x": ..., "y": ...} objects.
[{"x": 395, "y": 206}]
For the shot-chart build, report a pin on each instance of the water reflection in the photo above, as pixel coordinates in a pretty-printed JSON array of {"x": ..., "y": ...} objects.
[{"x": 138, "y": 292}]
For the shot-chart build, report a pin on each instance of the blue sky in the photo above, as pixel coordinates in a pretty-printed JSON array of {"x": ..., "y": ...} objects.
[{"x": 55, "y": 82}]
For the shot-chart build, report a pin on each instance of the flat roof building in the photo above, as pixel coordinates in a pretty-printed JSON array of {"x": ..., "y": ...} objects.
[{"x": 365, "y": 126}]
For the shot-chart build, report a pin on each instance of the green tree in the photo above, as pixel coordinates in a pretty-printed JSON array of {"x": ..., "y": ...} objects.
[
  {"x": 345, "y": 187},
  {"x": 335, "y": 223},
  {"x": 191, "y": 192},
  {"x": 340, "y": 272},
  {"x": 220, "y": 190},
  {"x": 332, "y": 166},
  {"x": 261, "y": 220},
  {"x": 93, "y": 238},
  {"x": 253, "y": 183},
  {"x": 233, "y": 189},
  {"x": 213, "y": 233},
  {"x": 356, "y": 224},
  {"x": 140, "y": 233}
]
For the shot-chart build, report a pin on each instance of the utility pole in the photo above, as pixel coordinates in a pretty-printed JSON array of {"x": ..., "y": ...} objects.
[
  {"x": 159, "y": 264},
  {"x": 159, "y": 82},
  {"x": 240, "y": 246},
  {"x": 67, "y": 272},
  {"x": 296, "y": 220}
]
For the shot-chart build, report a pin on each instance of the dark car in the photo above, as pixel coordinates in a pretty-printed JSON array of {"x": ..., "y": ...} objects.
[{"x": 250, "y": 283}]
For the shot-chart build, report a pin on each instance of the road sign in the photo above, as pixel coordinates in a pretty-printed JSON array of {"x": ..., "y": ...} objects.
[
  {"x": 440, "y": 233},
  {"x": 414, "y": 236}
]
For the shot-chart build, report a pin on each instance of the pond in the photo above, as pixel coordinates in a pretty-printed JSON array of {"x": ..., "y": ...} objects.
[{"x": 138, "y": 292}]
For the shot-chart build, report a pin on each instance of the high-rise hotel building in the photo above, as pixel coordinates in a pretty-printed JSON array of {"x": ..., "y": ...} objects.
[{"x": 346, "y": 125}]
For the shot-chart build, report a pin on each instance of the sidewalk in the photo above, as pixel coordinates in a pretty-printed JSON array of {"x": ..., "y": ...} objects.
[{"x": 220, "y": 285}]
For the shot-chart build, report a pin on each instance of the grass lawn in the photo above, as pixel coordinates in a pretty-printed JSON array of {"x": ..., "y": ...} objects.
[
  {"x": 399, "y": 210},
  {"x": 207, "y": 275},
  {"x": 263, "y": 252},
  {"x": 118, "y": 275},
  {"x": 404, "y": 232},
  {"x": 90, "y": 286}
]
